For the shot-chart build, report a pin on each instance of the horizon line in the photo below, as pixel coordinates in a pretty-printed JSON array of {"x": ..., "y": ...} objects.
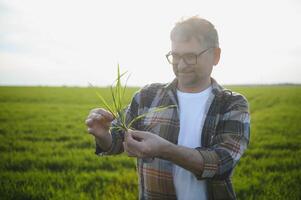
[{"x": 138, "y": 86}]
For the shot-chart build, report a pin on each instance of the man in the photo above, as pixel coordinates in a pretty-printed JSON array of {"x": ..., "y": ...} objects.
[{"x": 194, "y": 146}]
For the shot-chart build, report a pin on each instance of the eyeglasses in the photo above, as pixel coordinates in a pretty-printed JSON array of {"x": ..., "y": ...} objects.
[{"x": 189, "y": 58}]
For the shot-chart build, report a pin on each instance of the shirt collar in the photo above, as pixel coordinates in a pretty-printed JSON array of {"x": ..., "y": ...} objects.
[{"x": 216, "y": 88}]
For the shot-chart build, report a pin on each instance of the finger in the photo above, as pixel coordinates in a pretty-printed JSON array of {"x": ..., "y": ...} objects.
[
  {"x": 138, "y": 135},
  {"x": 104, "y": 113},
  {"x": 126, "y": 134},
  {"x": 133, "y": 145},
  {"x": 96, "y": 117},
  {"x": 88, "y": 122},
  {"x": 129, "y": 136},
  {"x": 91, "y": 131},
  {"x": 95, "y": 110},
  {"x": 129, "y": 153}
]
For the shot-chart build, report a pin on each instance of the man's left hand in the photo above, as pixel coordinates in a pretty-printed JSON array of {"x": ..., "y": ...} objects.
[{"x": 143, "y": 144}]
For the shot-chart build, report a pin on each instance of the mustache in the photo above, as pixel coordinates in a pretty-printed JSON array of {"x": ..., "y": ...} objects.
[{"x": 186, "y": 70}]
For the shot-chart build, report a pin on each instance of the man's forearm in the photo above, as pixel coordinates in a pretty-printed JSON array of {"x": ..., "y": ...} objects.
[{"x": 185, "y": 157}]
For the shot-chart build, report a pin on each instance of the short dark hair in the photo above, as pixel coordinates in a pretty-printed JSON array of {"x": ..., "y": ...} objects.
[{"x": 199, "y": 28}]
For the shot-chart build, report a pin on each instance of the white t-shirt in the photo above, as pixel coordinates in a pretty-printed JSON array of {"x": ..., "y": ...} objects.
[{"x": 192, "y": 108}]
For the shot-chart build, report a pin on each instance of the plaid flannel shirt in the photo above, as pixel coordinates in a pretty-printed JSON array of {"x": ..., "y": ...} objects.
[{"x": 225, "y": 136}]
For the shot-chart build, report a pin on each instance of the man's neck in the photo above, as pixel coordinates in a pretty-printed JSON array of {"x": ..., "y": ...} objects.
[{"x": 201, "y": 86}]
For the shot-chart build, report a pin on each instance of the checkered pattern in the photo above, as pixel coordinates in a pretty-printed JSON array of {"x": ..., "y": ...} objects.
[{"x": 225, "y": 137}]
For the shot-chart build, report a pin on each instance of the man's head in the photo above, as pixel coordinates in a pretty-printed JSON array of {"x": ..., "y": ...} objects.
[{"x": 194, "y": 39}]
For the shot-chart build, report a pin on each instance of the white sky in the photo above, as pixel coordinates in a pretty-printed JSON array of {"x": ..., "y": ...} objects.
[{"x": 60, "y": 42}]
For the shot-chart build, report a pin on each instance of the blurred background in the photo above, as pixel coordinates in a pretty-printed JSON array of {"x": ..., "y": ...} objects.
[{"x": 62, "y": 42}]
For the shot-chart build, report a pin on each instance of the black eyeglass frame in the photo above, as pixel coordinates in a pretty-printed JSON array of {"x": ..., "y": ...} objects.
[{"x": 182, "y": 56}]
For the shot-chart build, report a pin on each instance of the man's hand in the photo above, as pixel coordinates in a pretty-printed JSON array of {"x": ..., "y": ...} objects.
[
  {"x": 144, "y": 144},
  {"x": 98, "y": 123}
]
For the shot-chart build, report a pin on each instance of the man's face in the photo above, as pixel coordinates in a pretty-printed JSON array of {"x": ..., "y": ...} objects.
[{"x": 193, "y": 75}]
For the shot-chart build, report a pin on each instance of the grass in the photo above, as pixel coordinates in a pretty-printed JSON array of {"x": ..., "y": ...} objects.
[{"x": 46, "y": 152}]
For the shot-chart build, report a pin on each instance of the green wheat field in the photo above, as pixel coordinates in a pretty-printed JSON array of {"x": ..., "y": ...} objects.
[{"x": 46, "y": 153}]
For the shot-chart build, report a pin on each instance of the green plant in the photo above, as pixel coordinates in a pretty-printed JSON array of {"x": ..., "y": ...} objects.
[{"x": 118, "y": 110}]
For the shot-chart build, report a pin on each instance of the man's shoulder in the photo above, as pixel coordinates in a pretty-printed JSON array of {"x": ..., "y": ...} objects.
[
  {"x": 229, "y": 98},
  {"x": 235, "y": 100}
]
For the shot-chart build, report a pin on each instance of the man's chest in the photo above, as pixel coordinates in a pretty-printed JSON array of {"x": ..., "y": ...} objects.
[
  {"x": 174, "y": 125},
  {"x": 192, "y": 115}
]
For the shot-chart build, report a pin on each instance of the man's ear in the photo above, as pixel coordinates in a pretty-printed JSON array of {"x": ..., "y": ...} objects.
[{"x": 217, "y": 55}]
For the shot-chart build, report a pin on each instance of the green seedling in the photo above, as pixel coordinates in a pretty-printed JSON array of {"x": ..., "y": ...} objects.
[{"x": 118, "y": 110}]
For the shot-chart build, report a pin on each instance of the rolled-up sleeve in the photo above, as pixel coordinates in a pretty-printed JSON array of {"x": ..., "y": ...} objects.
[{"x": 228, "y": 143}]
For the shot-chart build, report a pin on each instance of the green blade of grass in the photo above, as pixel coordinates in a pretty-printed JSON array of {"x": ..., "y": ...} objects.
[
  {"x": 104, "y": 102},
  {"x": 118, "y": 86},
  {"x": 114, "y": 100},
  {"x": 106, "y": 105},
  {"x": 125, "y": 86}
]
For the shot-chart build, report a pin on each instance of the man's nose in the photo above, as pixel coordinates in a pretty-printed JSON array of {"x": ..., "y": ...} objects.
[{"x": 182, "y": 65}]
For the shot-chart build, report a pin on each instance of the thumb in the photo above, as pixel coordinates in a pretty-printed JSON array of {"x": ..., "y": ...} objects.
[
  {"x": 139, "y": 134},
  {"x": 131, "y": 134},
  {"x": 91, "y": 131}
]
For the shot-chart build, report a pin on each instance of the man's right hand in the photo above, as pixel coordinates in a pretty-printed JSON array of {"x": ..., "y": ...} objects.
[{"x": 98, "y": 123}]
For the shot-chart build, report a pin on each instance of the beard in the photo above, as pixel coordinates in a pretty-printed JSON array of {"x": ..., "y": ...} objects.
[{"x": 187, "y": 78}]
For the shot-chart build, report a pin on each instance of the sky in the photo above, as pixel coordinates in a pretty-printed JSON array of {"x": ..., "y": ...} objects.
[{"x": 74, "y": 43}]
